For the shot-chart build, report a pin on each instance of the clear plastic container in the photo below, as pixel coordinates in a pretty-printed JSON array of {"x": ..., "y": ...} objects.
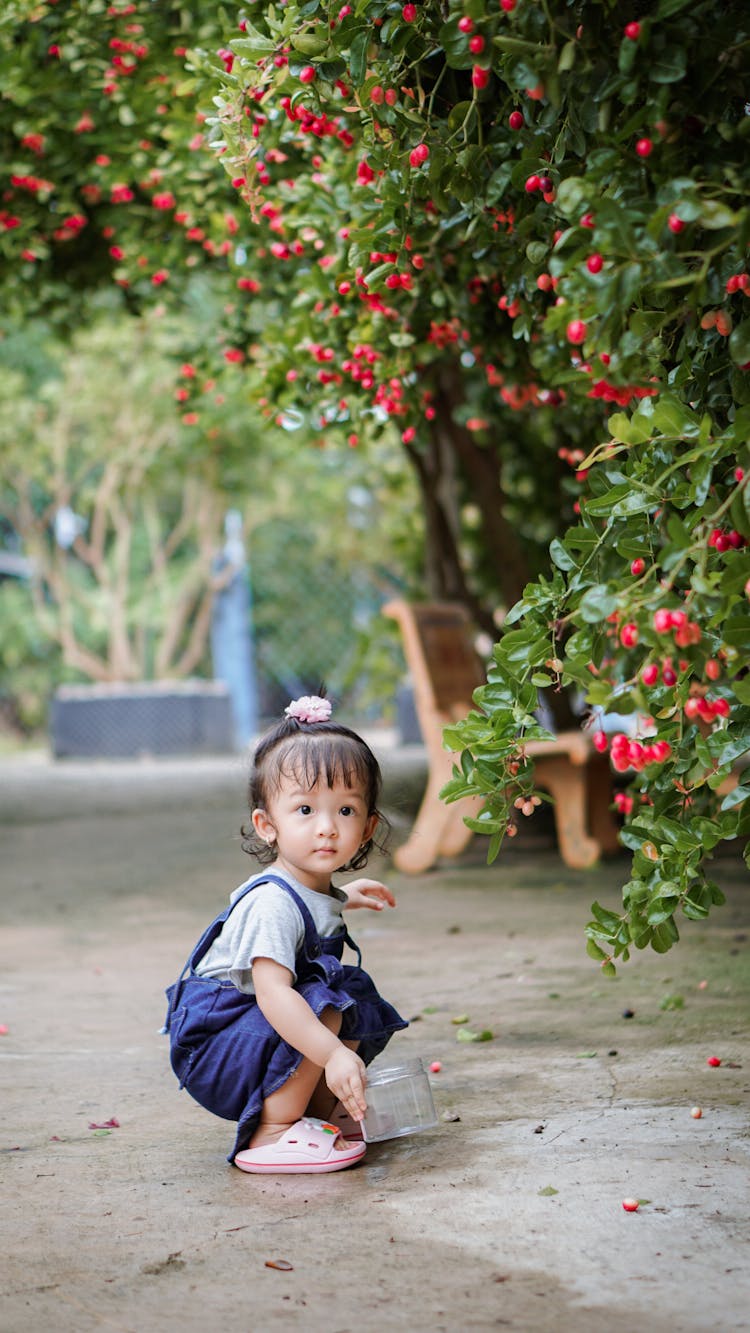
[{"x": 399, "y": 1101}]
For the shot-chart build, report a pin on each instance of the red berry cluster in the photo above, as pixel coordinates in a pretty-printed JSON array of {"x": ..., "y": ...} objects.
[
  {"x": 687, "y": 631},
  {"x": 698, "y": 706},
  {"x": 726, "y": 539},
  {"x": 34, "y": 184},
  {"x": 651, "y": 671},
  {"x": 622, "y": 394},
  {"x": 419, "y": 155},
  {"x": 626, "y": 753},
  {"x": 315, "y": 123}
]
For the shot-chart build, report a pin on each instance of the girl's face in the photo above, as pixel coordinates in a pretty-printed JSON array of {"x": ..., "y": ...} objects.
[{"x": 316, "y": 830}]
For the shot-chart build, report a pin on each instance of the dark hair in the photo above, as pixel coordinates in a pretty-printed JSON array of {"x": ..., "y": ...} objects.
[{"x": 309, "y": 751}]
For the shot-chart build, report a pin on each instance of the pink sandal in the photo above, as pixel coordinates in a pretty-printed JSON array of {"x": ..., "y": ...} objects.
[
  {"x": 349, "y": 1129},
  {"x": 308, "y": 1146}
]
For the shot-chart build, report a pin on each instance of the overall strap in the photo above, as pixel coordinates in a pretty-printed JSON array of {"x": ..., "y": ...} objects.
[
  {"x": 354, "y": 947},
  {"x": 311, "y": 942},
  {"x": 210, "y": 934},
  {"x": 313, "y": 946}
]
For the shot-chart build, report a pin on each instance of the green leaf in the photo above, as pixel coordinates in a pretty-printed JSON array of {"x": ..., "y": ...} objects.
[
  {"x": 466, "y": 1034},
  {"x": 597, "y": 603},
  {"x": 609, "y": 920},
  {"x": 716, "y": 216},
  {"x": 567, "y": 57},
  {"x": 358, "y": 55},
  {"x": 253, "y": 43},
  {"x": 736, "y": 631},
  {"x": 601, "y": 505},
  {"x": 741, "y": 688},
  {"x": 309, "y": 43},
  {"x": 548, "y": 1191},
  {"x": 666, "y": 8},
  {"x": 537, "y": 252},
  {"x": 672, "y": 417},
  {"x": 739, "y": 343},
  {"x": 561, "y": 556},
  {"x": 669, "y": 66}
]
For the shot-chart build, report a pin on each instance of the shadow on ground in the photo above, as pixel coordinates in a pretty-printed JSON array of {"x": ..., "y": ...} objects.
[{"x": 507, "y": 1215}]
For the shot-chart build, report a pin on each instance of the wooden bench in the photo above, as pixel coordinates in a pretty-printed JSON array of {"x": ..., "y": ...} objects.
[{"x": 446, "y": 669}]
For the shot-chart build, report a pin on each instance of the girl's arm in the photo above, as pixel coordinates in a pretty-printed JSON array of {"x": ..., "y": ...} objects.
[
  {"x": 367, "y": 893},
  {"x": 291, "y": 1016}
]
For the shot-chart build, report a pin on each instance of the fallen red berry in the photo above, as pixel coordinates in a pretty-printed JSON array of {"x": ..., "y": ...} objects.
[
  {"x": 696, "y": 1113},
  {"x": 630, "y": 1205},
  {"x": 713, "y": 1061},
  {"x": 435, "y": 1067}
]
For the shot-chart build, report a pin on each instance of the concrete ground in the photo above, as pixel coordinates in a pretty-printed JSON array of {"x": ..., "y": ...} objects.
[{"x": 508, "y": 1215}]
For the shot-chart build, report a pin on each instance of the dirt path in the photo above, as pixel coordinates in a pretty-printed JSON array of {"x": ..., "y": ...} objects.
[{"x": 509, "y": 1216}]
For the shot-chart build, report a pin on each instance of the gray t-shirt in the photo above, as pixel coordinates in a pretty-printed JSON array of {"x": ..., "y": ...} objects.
[{"x": 268, "y": 924}]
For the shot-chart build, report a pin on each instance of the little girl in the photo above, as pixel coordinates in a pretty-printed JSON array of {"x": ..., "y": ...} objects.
[{"x": 269, "y": 1027}]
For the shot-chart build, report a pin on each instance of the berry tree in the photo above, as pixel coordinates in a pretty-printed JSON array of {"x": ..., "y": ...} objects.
[
  {"x": 517, "y": 234},
  {"x": 542, "y": 206}
]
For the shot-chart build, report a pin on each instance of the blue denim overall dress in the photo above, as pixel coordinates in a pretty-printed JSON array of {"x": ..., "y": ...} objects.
[{"x": 225, "y": 1052}]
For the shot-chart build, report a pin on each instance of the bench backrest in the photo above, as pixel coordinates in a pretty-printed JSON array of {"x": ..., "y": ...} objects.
[{"x": 439, "y": 647}]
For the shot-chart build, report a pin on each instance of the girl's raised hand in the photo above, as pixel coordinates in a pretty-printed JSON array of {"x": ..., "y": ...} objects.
[{"x": 368, "y": 893}]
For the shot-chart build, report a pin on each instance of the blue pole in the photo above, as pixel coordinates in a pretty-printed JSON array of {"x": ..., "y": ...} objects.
[{"x": 231, "y": 630}]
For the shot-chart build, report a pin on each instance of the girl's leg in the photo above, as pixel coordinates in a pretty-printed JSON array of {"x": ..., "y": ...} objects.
[{"x": 292, "y": 1100}]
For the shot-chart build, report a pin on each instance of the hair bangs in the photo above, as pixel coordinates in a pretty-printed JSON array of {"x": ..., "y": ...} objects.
[{"x": 328, "y": 758}]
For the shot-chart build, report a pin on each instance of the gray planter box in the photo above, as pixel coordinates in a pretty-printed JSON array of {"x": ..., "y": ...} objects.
[{"x": 192, "y": 717}]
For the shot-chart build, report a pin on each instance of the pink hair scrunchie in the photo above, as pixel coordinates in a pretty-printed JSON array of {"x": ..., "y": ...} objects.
[{"x": 310, "y": 708}]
